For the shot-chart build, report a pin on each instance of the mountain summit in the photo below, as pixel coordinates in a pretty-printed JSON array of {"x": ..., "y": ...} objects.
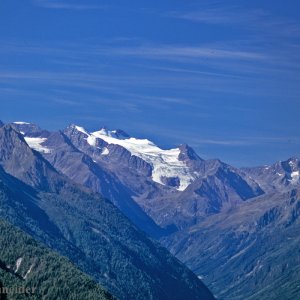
[{"x": 114, "y": 163}]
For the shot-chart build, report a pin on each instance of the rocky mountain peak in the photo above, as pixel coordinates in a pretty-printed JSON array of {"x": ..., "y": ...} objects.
[
  {"x": 188, "y": 153},
  {"x": 9, "y": 136},
  {"x": 294, "y": 163},
  {"x": 19, "y": 160},
  {"x": 117, "y": 133},
  {"x": 30, "y": 129},
  {"x": 75, "y": 129},
  {"x": 288, "y": 166},
  {"x": 26, "y": 127}
]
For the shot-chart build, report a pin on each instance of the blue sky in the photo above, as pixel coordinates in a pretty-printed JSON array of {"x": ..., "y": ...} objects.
[{"x": 222, "y": 76}]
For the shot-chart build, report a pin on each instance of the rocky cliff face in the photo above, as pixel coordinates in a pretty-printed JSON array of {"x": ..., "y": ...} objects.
[
  {"x": 19, "y": 160},
  {"x": 282, "y": 175}
]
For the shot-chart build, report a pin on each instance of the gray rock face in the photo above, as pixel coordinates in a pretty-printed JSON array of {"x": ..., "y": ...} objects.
[
  {"x": 1, "y": 124},
  {"x": 82, "y": 169},
  {"x": 219, "y": 187},
  {"x": 120, "y": 134},
  {"x": 188, "y": 155},
  {"x": 281, "y": 176},
  {"x": 30, "y": 130},
  {"x": 171, "y": 181},
  {"x": 122, "y": 159},
  {"x": 24, "y": 163}
]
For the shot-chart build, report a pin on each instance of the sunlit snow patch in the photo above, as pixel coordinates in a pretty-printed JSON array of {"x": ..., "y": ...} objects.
[
  {"x": 81, "y": 129},
  {"x": 35, "y": 143},
  {"x": 295, "y": 177},
  {"x": 105, "y": 151}
]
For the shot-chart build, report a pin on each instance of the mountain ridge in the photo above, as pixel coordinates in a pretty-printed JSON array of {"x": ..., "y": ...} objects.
[
  {"x": 186, "y": 220},
  {"x": 88, "y": 229},
  {"x": 119, "y": 155}
]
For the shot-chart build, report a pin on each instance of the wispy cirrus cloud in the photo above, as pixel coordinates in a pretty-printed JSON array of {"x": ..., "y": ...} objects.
[
  {"x": 221, "y": 15},
  {"x": 215, "y": 68},
  {"x": 66, "y": 5},
  {"x": 146, "y": 50},
  {"x": 200, "y": 140},
  {"x": 263, "y": 22},
  {"x": 179, "y": 52}
]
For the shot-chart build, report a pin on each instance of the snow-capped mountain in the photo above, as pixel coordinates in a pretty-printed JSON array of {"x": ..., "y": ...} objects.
[
  {"x": 277, "y": 177},
  {"x": 33, "y": 135},
  {"x": 166, "y": 164},
  {"x": 82, "y": 226},
  {"x": 206, "y": 212},
  {"x": 112, "y": 162}
]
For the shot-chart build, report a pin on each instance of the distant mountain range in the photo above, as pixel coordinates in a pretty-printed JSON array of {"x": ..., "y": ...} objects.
[
  {"x": 86, "y": 228},
  {"x": 237, "y": 229}
]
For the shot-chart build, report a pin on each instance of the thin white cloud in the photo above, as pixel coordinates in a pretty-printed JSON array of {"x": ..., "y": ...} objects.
[
  {"x": 175, "y": 52},
  {"x": 194, "y": 72},
  {"x": 150, "y": 51},
  {"x": 260, "y": 21},
  {"x": 67, "y": 102},
  {"x": 217, "y": 68},
  {"x": 67, "y": 6},
  {"x": 179, "y": 136},
  {"x": 221, "y": 15}
]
